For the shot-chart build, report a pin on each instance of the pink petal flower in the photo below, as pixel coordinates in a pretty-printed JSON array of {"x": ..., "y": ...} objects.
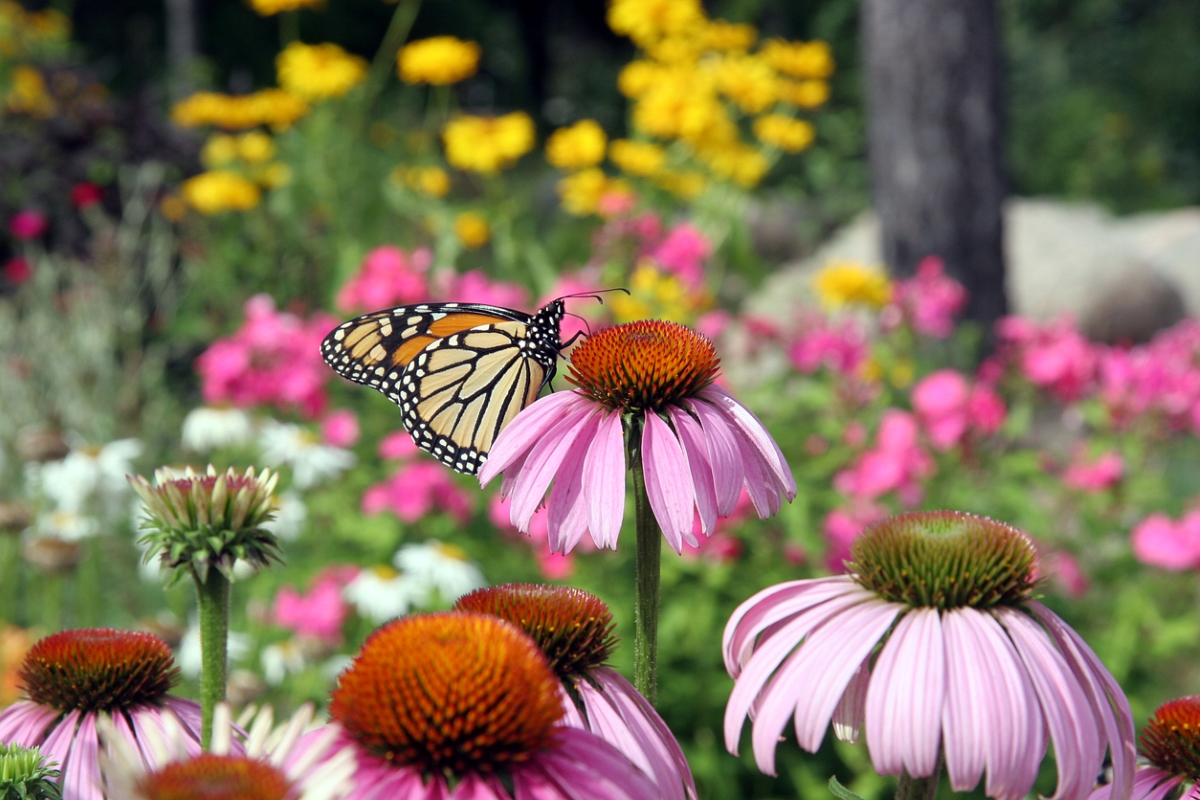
[
  {"x": 340, "y": 428},
  {"x": 28, "y": 225},
  {"x": 1097, "y": 475}
]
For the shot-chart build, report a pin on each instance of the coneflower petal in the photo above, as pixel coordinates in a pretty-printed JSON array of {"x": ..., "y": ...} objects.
[
  {"x": 566, "y": 510},
  {"x": 668, "y": 484},
  {"x": 541, "y": 465},
  {"x": 695, "y": 450},
  {"x": 723, "y": 453},
  {"x": 604, "y": 481},
  {"x": 525, "y": 430}
]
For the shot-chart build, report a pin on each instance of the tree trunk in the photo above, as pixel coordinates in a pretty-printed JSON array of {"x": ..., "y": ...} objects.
[{"x": 935, "y": 122}]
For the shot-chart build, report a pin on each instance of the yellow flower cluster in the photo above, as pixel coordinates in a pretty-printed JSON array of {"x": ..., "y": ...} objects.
[
  {"x": 432, "y": 181},
  {"x": 25, "y": 34},
  {"x": 581, "y": 145},
  {"x": 267, "y": 8},
  {"x": 637, "y": 158},
  {"x": 274, "y": 107},
  {"x": 439, "y": 60},
  {"x": 694, "y": 82},
  {"x": 654, "y": 294},
  {"x": 220, "y": 190},
  {"x": 584, "y": 192},
  {"x": 487, "y": 144},
  {"x": 472, "y": 230},
  {"x": 253, "y": 150},
  {"x": 28, "y": 94},
  {"x": 318, "y": 71},
  {"x": 843, "y": 283}
]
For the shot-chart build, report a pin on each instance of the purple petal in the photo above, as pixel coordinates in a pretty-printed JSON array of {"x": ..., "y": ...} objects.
[
  {"x": 695, "y": 451},
  {"x": 1149, "y": 783},
  {"x": 772, "y": 605},
  {"x": 525, "y": 430},
  {"x": 604, "y": 481},
  {"x": 1065, "y": 707},
  {"x": 763, "y": 493},
  {"x": 668, "y": 484},
  {"x": 848, "y": 716},
  {"x": 542, "y": 463},
  {"x": 752, "y": 427},
  {"x": 723, "y": 453},
  {"x": 474, "y": 787},
  {"x": 566, "y": 512},
  {"x": 81, "y": 773},
  {"x": 25, "y": 723},
  {"x": 906, "y": 697},
  {"x": 57, "y": 745},
  {"x": 585, "y": 767}
]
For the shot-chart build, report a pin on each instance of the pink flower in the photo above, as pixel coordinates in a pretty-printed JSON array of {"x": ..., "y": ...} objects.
[
  {"x": 1064, "y": 570},
  {"x": 340, "y": 428},
  {"x": 928, "y": 673},
  {"x": 553, "y": 566},
  {"x": 841, "y": 526},
  {"x": 1095, "y": 476},
  {"x": 699, "y": 461},
  {"x": 712, "y": 324},
  {"x": 476, "y": 287},
  {"x": 388, "y": 277},
  {"x": 986, "y": 410},
  {"x": 318, "y": 614},
  {"x": 929, "y": 301},
  {"x": 949, "y": 408},
  {"x": 415, "y": 491},
  {"x": 1168, "y": 745},
  {"x": 1055, "y": 357},
  {"x": 1160, "y": 542},
  {"x": 840, "y": 346},
  {"x": 398, "y": 445},
  {"x": 85, "y": 194},
  {"x": 897, "y": 463},
  {"x": 28, "y": 225},
  {"x": 682, "y": 253},
  {"x": 16, "y": 270}
]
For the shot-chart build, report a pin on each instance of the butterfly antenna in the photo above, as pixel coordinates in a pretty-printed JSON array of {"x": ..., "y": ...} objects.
[{"x": 596, "y": 294}]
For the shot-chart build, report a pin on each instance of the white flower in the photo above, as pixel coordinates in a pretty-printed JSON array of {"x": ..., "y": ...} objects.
[
  {"x": 282, "y": 659},
  {"x": 207, "y": 428},
  {"x": 311, "y": 461},
  {"x": 188, "y": 658},
  {"x": 436, "y": 566},
  {"x": 380, "y": 593},
  {"x": 87, "y": 473},
  {"x": 290, "y": 516},
  {"x": 70, "y": 526}
]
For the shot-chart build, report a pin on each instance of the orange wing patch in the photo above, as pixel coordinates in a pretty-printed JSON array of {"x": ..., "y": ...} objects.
[{"x": 454, "y": 323}]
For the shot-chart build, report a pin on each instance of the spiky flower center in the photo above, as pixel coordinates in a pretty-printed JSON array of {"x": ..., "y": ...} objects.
[
  {"x": 1171, "y": 739},
  {"x": 98, "y": 669},
  {"x": 454, "y": 692},
  {"x": 573, "y": 628},
  {"x": 945, "y": 559},
  {"x": 216, "y": 777},
  {"x": 643, "y": 365}
]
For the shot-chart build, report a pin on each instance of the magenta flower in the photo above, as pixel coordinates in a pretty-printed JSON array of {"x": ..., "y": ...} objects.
[
  {"x": 575, "y": 631},
  {"x": 416, "y": 490},
  {"x": 842, "y": 526},
  {"x": 1096, "y": 475},
  {"x": 1055, "y": 357},
  {"x": 933, "y": 642},
  {"x": 469, "y": 701},
  {"x": 1161, "y": 542},
  {"x": 16, "y": 270},
  {"x": 86, "y": 194},
  {"x": 397, "y": 445},
  {"x": 476, "y": 287},
  {"x": 318, "y": 614},
  {"x": 897, "y": 463},
  {"x": 950, "y": 408},
  {"x": 388, "y": 277},
  {"x": 73, "y": 677},
  {"x": 340, "y": 428},
  {"x": 840, "y": 346},
  {"x": 28, "y": 225},
  {"x": 698, "y": 445},
  {"x": 929, "y": 301},
  {"x": 682, "y": 253},
  {"x": 1170, "y": 749}
]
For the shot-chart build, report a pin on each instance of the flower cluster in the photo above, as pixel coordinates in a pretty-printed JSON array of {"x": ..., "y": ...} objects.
[
  {"x": 387, "y": 277},
  {"x": 274, "y": 108},
  {"x": 487, "y": 144},
  {"x": 439, "y": 60},
  {"x": 318, "y": 71}
]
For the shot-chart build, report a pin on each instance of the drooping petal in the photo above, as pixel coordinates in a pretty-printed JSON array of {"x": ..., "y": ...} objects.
[
  {"x": 723, "y": 453},
  {"x": 526, "y": 429},
  {"x": 25, "y": 723},
  {"x": 848, "y": 716},
  {"x": 604, "y": 481},
  {"x": 1065, "y": 707},
  {"x": 542, "y": 463},
  {"x": 752, "y": 427},
  {"x": 585, "y": 767},
  {"x": 567, "y": 512},
  {"x": 695, "y": 450},
  {"x": 668, "y": 485},
  {"x": 1149, "y": 783},
  {"x": 906, "y": 697}
]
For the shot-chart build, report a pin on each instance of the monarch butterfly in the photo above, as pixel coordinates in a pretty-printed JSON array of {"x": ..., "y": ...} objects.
[{"x": 460, "y": 372}]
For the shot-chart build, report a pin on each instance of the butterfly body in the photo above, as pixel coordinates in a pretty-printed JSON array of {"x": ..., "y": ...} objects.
[{"x": 460, "y": 372}]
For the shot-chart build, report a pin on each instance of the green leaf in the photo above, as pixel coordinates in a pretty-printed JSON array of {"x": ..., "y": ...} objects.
[{"x": 839, "y": 791}]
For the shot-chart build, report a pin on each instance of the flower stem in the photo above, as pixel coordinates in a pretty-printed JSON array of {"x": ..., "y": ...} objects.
[
  {"x": 647, "y": 566},
  {"x": 385, "y": 57},
  {"x": 911, "y": 788},
  {"x": 213, "y": 594}
]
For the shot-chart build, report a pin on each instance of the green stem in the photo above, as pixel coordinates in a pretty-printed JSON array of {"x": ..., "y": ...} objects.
[
  {"x": 647, "y": 565},
  {"x": 911, "y": 788},
  {"x": 385, "y": 57},
  {"x": 10, "y": 576},
  {"x": 213, "y": 595}
]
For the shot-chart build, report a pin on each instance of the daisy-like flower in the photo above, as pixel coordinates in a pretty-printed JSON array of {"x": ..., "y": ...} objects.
[
  {"x": 435, "y": 566},
  {"x": 575, "y": 631},
  {"x": 470, "y": 701},
  {"x": 272, "y": 765},
  {"x": 209, "y": 427},
  {"x": 1170, "y": 747},
  {"x": 311, "y": 461},
  {"x": 88, "y": 474},
  {"x": 74, "y": 677},
  {"x": 934, "y": 641},
  {"x": 381, "y": 593},
  {"x": 697, "y": 444}
]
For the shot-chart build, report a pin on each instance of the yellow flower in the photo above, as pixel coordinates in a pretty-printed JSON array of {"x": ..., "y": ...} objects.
[
  {"x": 318, "y": 71},
  {"x": 749, "y": 82},
  {"x": 659, "y": 295},
  {"x": 432, "y": 181},
  {"x": 220, "y": 190},
  {"x": 646, "y": 21},
  {"x": 637, "y": 158},
  {"x": 274, "y": 175},
  {"x": 721, "y": 35},
  {"x": 843, "y": 283},
  {"x": 738, "y": 162},
  {"x": 487, "y": 144},
  {"x": 683, "y": 105},
  {"x": 219, "y": 150},
  {"x": 581, "y": 191},
  {"x": 684, "y": 185},
  {"x": 799, "y": 59},
  {"x": 273, "y": 107},
  {"x": 637, "y": 77},
  {"x": 28, "y": 94},
  {"x": 805, "y": 94},
  {"x": 581, "y": 145},
  {"x": 439, "y": 60},
  {"x": 266, "y": 8},
  {"x": 472, "y": 230},
  {"x": 255, "y": 147},
  {"x": 789, "y": 135}
]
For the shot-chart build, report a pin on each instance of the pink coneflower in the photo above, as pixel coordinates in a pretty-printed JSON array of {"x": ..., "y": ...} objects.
[
  {"x": 457, "y": 698},
  {"x": 73, "y": 677},
  {"x": 1170, "y": 747},
  {"x": 933, "y": 641},
  {"x": 697, "y": 444},
  {"x": 575, "y": 631},
  {"x": 275, "y": 765}
]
